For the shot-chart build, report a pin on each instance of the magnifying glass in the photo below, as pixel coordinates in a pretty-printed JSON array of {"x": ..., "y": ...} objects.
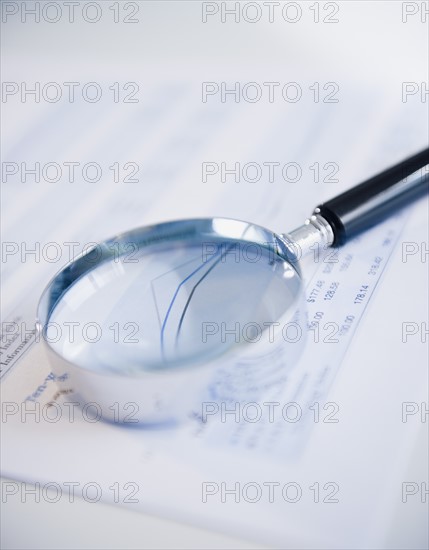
[{"x": 137, "y": 324}]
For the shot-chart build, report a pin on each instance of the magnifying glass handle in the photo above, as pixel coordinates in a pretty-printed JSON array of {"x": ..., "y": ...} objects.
[{"x": 341, "y": 218}]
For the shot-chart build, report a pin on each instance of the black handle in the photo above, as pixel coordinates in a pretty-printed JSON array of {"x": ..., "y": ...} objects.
[{"x": 376, "y": 198}]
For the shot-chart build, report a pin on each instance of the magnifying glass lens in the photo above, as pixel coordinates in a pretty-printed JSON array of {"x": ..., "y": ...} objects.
[{"x": 170, "y": 304}]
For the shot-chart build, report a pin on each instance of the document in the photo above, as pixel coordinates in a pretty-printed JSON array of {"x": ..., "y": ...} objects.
[{"x": 313, "y": 455}]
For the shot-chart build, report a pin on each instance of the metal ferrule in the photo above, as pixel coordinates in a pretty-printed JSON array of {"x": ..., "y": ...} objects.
[{"x": 315, "y": 231}]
